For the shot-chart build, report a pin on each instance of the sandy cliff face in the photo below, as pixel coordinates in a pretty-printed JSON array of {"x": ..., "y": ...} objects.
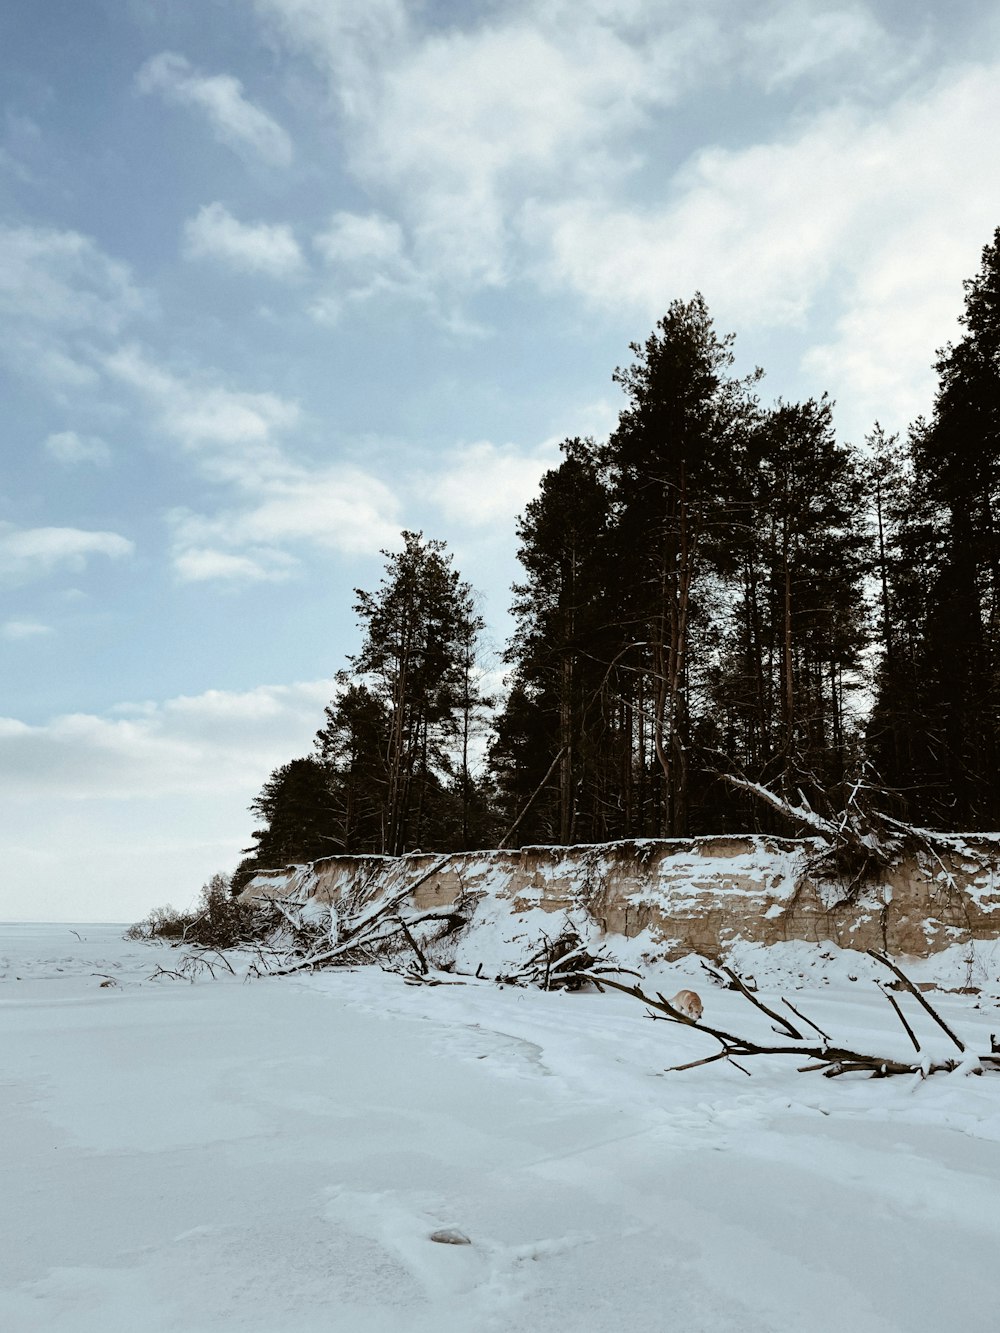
[{"x": 691, "y": 895}]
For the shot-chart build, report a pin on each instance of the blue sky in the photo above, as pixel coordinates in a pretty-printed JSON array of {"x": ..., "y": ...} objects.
[{"x": 280, "y": 278}]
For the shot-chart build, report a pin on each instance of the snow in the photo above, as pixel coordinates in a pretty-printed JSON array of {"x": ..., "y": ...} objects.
[{"x": 278, "y": 1155}]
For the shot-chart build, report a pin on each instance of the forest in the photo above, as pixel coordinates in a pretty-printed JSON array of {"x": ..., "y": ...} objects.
[{"x": 721, "y": 599}]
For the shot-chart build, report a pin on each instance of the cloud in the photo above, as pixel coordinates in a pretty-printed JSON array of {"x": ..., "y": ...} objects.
[
  {"x": 360, "y": 239},
  {"x": 235, "y": 120},
  {"x": 484, "y": 484},
  {"x": 551, "y": 143},
  {"x": 16, "y": 630},
  {"x": 366, "y": 255},
  {"x": 60, "y": 295},
  {"x": 33, "y": 553},
  {"x": 114, "y": 813},
  {"x": 68, "y": 447},
  {"x": 787, "y": 43},
  {"x": 867, "y": 222},
  {"x": 198, "y": 564},
  {"x": 203, "y": 744},
  {"x": 237, "y": 439},
  {"x": 271, "y": 249},
  {"x": 339, "y": 509},
  {"x": 110, "y": 814},
  {"x": 461, "y": 126},
  {"x": 458, "y": 126},
  {"x": 233, "y": 433}
]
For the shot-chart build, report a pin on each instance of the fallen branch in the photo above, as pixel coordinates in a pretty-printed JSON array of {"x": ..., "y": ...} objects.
[
  {"x": 561, "y": 964},
  {"x": 917, "y": 995},
  {"x": 901, "y": 1016},
  {"x": 827, "y": 1058},
  {"x": 783, "y": 1023},
  {"x": 363, "y": 931}
]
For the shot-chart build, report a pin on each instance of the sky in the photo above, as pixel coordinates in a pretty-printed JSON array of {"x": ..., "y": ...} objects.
[{"x": 281, "y": 278}]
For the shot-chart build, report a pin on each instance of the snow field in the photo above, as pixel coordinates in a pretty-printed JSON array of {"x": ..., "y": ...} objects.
[{"x": 275, "y": 1156}]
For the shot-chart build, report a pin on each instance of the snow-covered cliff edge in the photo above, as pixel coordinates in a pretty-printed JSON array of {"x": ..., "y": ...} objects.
[{"x": 676, "y": 897}]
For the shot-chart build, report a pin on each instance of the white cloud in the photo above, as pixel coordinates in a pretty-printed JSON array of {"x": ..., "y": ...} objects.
[
  {"x": 59, "y": 296},
  {"x": 340, "y": 508},
  {"x": 199, "y": 564},
  {"x": 116, "y": 813},
  {"x": 68, "y": 447},
  {"x": 365, "y": 253},
  {"x": 789, "y": 43},
  {"x": 871, "y": 220},
  {"x": 16, "y": 630},
  {"x": 32, "y": 553},
  {"x": 483, "y": 484},
  {"x": 208, "y": 743},
  {"x": 235, "y": 120},
  {"x": 540, "y": 141},
  {"x": 271, "y": 249},
  {"x": 360, "y": 239},
  {"x": 63, "y": 280},
  {"x": 234, "y": 433},
  {"x": 236, "y": 438},
  {"x": 461, "y": 126}
]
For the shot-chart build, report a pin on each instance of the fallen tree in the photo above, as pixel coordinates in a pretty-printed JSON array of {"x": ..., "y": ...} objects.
[
  {"x": 858, "y": 843},
  {"x": 829, "y": 1057}
]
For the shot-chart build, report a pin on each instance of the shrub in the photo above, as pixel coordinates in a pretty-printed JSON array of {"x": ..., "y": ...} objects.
[{"x": 218, "y": 921}]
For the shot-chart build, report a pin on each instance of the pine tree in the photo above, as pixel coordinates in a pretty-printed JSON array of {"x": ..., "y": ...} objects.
[
  {"x": 352, "y": 746},
  {"x": 559, "y": 653},
  {"x": 295, "y": 807},
  {"x": 792, "y": 639},
  {"x": 940, "y": 689},
  {"x": 673, "y": 464},
  {"x": 420, "y": 627}
]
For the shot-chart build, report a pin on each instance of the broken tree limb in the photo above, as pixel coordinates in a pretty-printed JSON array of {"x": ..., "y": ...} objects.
[
  {"x": 788, "y": 1028},
  {"x": 829, "y": 1058},
  {"x": 918, "y": 996},
  {"x": 800, "y": 814},
  {"x": 531, "y": 799},
  {"x": 808, "y": 1021},
  {"x": 421, "y": 960},
  {"x": 901, "y": 1016},
  {"x": 365, "y": 930}
]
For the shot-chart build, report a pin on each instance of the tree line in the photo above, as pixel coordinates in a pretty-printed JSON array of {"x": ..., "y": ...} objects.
[{"x": 719, "y": 591}]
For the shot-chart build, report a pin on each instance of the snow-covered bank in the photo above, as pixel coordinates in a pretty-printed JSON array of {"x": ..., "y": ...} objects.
[
  {"x": 680, "y": 896},
  {"x": 274, "y": 1156}
]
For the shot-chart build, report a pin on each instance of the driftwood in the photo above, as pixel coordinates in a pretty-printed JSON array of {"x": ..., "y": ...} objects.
[
  {"x": 828, "y": 1057},
  {"x": 369, "y": 921},
  {"x": 858, "y": 843},
  {"x": 562, "y": 963}
]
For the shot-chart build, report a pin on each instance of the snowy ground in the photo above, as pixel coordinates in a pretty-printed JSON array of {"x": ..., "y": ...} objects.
[{"x": 274, "y": 1156}]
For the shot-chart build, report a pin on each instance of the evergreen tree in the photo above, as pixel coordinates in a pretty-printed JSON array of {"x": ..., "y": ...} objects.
[
  {"x": 559, "y": 654},
  {"x": 796, "y": 620},
  {"x": 935, "y": 725},
  {"x": 673, "y": 462},
  {"x": 295, "y": 807},
  {"x": 420, "y": 628},
  {"x": 957, "y": 459},
  {"x": 353, "y": 747}
]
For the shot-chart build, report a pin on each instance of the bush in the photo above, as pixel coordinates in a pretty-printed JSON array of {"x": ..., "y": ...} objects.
[
  {"x": 162, "y": 923},
  {"x": 218, "y": 921}
]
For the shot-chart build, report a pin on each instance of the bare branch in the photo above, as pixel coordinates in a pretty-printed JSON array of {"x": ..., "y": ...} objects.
[
  {"x": 918, "y": 996},
  {"x": 808, "y": 1021},
  {"x": 786, "y": 1027},
  {"x": 901, "y": 1016},
  {"x": 829, "y": 1059}
]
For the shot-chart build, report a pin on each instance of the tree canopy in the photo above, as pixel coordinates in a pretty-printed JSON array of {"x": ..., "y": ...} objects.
[{"x": 721, "y": 589}]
